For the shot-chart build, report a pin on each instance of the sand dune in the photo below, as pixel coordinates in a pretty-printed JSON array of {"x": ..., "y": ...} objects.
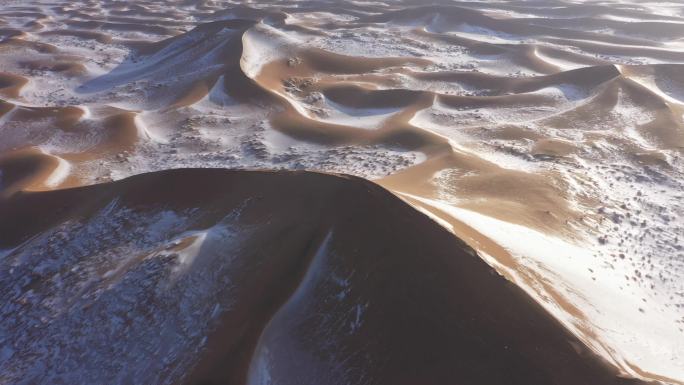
[
  {"x": 547, "y": 135},
  {"x": 396, "y": 299}
]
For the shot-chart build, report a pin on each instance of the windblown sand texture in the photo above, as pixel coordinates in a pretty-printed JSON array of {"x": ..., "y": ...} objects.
[{"x": 523, "y": 222}]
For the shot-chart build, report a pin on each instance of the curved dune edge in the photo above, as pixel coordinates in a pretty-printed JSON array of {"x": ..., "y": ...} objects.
[
  {"x": 32, "y": 169},
  {"x": 332, "y": 279}
]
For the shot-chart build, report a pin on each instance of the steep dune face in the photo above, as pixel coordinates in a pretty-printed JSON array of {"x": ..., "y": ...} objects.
[
  {"x": 30, "y": 169},
  {"x": 213, "y": 276},
  {"x": 547, "y": 135}
]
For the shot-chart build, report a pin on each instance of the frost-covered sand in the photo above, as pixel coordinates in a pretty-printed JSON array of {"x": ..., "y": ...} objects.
[{"x": 548, "y": 136}]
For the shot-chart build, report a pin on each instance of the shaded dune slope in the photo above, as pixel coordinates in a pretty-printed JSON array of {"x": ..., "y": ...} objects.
[{"x": 319, "y": 279}]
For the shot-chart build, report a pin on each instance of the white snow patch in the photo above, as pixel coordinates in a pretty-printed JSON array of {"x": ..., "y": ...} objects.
[
  {"x": 263, "y": 44},
  {"x": 368, "y": 118},
  {"x": 60, "y": 173},
  {"x": 629, "y": 330}
]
